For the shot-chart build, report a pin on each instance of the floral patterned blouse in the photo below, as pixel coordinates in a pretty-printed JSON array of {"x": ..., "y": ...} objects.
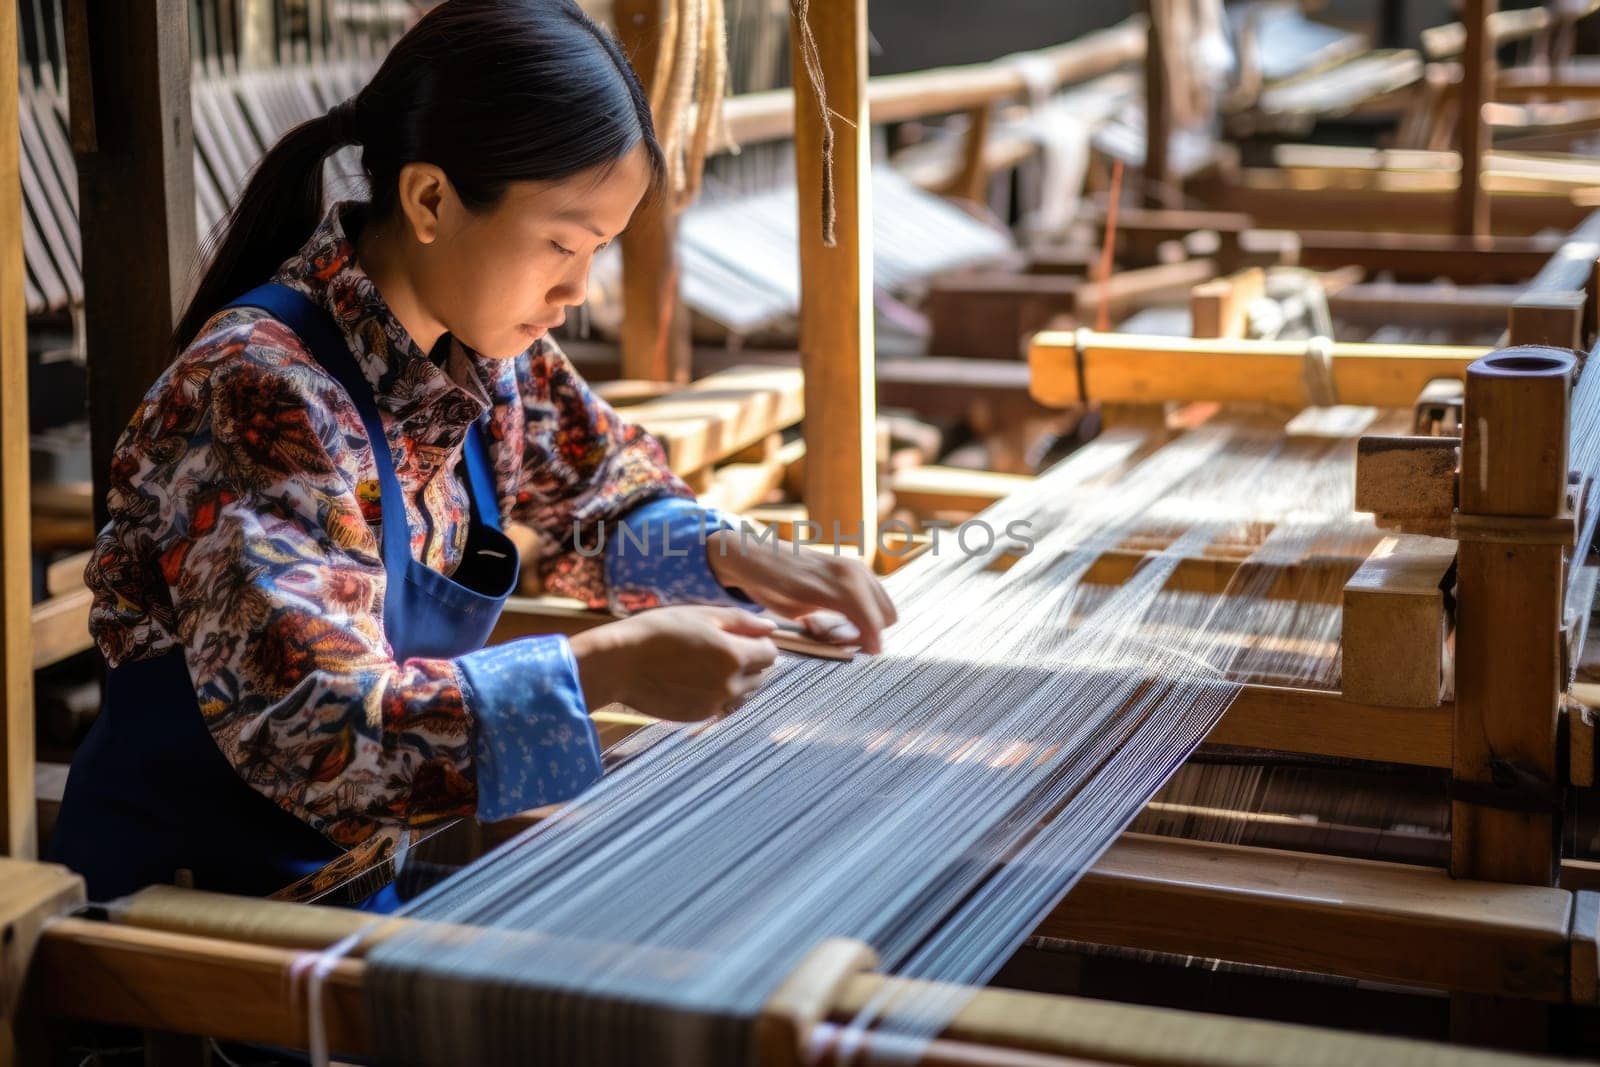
[{"x": 244, "y": 533}]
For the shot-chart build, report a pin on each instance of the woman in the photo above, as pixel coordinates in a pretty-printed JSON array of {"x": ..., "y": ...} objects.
[{"x": 304, "y": 556}]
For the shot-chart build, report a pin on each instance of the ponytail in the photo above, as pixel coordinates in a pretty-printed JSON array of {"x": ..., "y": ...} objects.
[
  {"x": 490, "y": 91},
  {"x": 279, "y": 208}
]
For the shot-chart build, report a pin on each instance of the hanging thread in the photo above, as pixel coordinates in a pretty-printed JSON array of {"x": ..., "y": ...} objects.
[{"x": 811, "y": 57}]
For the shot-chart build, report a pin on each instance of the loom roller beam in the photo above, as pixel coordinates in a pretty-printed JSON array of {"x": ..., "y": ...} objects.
[{"x": 178, "y": 960}]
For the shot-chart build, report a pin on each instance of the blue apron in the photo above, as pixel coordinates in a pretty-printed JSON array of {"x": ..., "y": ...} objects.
[{"x": 150, "y": 793}]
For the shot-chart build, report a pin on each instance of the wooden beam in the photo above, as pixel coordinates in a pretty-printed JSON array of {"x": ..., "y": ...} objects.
[
  {"x": 769, "y": 116},
  {"x": 134, "y": 142},
  {"x": 721, "y": 414},
  {"x": 1131, "y": 368},
  {"x": 61, "y": 627},
  {"x": 18, "y": 835},
  {"x": 1554, "y": 319},
  {"x": 934, "y": 488},
  {"x": 1386, "y": 922},
  {"x": 655, "y": 323},
  {"x": 1425, "y": 304},
  {"x": 1313, "y": 722},
  {"x": 1275, "y": 203},
  {"x": 1220, "y": 307},
  {"x": 188, "y": 982},
  {"x": 836, "y": 333},
  {"x": 1501, "y": 258},
  {"x": 1450, "y": 39},
  {"x": 1472, "y": 134},
  {"x": 990, "y": 314}
]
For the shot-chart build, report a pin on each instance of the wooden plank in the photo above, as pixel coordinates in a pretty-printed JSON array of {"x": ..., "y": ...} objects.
[
  {"x": 1555, "y": 319},
  {"x": 1313, "y": 722},
  {"x": 1585, "y": 945},
  {"x": 1425, "y": 256},
  {"x": 1425, "y": 304},
  {"x": 655, "y": 322},
  {"x": 1386, "y": 922},
  {"x": 136, "y": 264},
  {"x": 1394, "y": 623},
  {"x": 1450, "y": 39},
  {"x": 769, "y": 116},
  {"x": 721, "y": 414},
  {"x": 61, "y": 627},
  {"x": 990, "y": 314},
  {"x": 18, "y": 835},
  {"x": 737, "y": 487},
  {"x": 1148, "y": 369},
  {"x": 1304, "y": 582},
  {"x": 1276, "y": 204},
  {"x": 836, "y": 333},
  {"x": 932, "y": 386},
  {"x": 1580, "y": 874},
  {"x": 934, "y": 488},
  {"x": 66, "y": 574},
  {"x": 624, "y": 392},
  {"x": 1128, "y": 290},
  {"x": 1220, "y": 308}
]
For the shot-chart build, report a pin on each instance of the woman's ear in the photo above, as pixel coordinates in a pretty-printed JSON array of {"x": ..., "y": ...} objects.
[{"x": 425, "y": 199}]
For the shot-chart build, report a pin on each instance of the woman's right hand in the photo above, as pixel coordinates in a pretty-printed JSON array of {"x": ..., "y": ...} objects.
[{"x": 682, "y": 663}]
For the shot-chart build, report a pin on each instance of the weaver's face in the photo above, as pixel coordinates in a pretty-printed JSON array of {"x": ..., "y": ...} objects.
[{"x": 500, "y": 278}]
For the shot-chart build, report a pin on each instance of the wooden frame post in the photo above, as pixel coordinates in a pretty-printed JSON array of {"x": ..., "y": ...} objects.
[
  {"x": 1505, "y": 823},
  {"x": 18, "y": 833},
  {"x": 1510, "y": 571},
  {"x": 1157, "y": 107},
  {"x": 1472, "y": 135},
  {"x": 655, "y": 324},
  {"x": 836, "y": 340},
  {"x": 133, "y": 137}
]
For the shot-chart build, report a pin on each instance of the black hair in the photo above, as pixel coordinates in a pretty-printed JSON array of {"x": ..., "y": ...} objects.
[{"x": 489, "y": 91}]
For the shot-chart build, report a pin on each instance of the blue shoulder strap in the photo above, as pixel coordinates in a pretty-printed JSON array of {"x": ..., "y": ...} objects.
[
  {"x": 480, "y": 479},
  {"x": 321, "y": 334}
]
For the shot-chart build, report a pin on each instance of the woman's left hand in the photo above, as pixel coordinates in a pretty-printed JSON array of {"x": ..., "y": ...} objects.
[{"x": 812, "y": 587}]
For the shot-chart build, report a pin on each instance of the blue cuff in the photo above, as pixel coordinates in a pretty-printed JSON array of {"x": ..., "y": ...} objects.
[
  {"x": 657, "y": 556},
  {"x": 535, "y": 743}
]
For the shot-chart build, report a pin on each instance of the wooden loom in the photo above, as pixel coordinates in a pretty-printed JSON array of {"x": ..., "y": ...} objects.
[
  {"x": 179, "y": 961},
  {"x": 172, "y": 962}
]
